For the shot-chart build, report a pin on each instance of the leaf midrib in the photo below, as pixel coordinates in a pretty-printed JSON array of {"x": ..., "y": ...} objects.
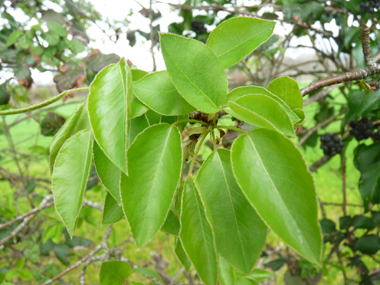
[
  {"x": 230, "y": 199},
  {"x": 278, "y": 194}
]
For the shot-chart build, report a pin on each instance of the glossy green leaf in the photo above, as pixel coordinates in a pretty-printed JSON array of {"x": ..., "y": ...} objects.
[
  {"x": 248, "y": 90},
  {"x": 83, "y": 122},
  {"x": 138, "y": 108},
  {"x": 235, "y": 38},
  {"x": 109, "y": 108},
  {"x": 64, "y": 133},
  {"x": 57, "y": 28},
  {"x": 112, "y": 212},
  {"x": 259, "y": 274},
  {"x": 369, "y": 244},
  {"x": 156, "y": 90},
  {"x": 196, "y": 234},
  {"x": 181, "y": 254},
  {"x": 231, "y": 212},
  {"x": 137, "y": 125},
  {"x": 171, "y": 224},
  {"x": 114, "y": 272},
  {"x": 273, "y": 175},
  {"x": 149, "y": 272},
  {"x": 138, "y": 74},
  {"x": 261, "y": 111},
  {"x": 301, "y": 115},
  {"x": 71, "y": 171},
  {"x": 226, "y": 272},
  {"x": 154, "y": 161},
  {"x": 288, "y": 90},
  {"x": 109, "y": 173},
  {"x": 242, "y": 280},
  {"x": 195, "y": 71}
]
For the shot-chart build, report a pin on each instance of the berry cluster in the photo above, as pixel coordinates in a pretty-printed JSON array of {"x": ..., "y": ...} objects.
[
  {"x": 198, "y": 27},
  {"x": 369, "y": 6},
  {"x": 362, "y": 129},
  {"x": 331, "y": 144}
]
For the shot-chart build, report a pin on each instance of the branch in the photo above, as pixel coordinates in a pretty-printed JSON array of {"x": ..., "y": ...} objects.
[
  {"x": 319, "y": 95},
  {"x": 314, "y": 167},
  {"x": 42, "y": 104},
  {"x": 318, "y": 126},
  {"x": 102, "y": 245},
  {"x": 348, "y": 76},
  {"x": 17, "y": 229},
  {"x": 366, "y": 47},
  {"x": 46, "y": 203}
]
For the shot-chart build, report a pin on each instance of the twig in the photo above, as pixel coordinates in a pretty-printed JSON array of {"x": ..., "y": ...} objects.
[
  {"x": 366, "y": 46},
  {"x": 46, "y": 203},
  {"x": 322, "y": 161},
  {"x": 344, "y": 187},
  {"x": 17, "y": 229},
  {"x": 319, "y": 95},
  {"x": 320, "y": 125},
  {"x": 151, "y": 35}
]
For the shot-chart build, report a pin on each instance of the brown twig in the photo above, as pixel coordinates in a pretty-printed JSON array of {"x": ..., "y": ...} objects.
[
  {"x": 321, "y": 125},
  {"x": 319, "y": 95},
  {"x": 366, "y": 46},
  {"x": 322, "y": 161},
  {"x": 344, "y": 187}
]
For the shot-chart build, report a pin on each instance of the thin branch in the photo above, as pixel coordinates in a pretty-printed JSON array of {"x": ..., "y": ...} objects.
[
  {"x": 322, "y": 161},
  {"x": 319, "y": 95},
  {"x": 320, "y": 125},
  {"x": 366, "y": 46},
  {"x": 151, "y": 34},
  {"x": 46, "y": 203},
  {"x": 344, "y": 186}
]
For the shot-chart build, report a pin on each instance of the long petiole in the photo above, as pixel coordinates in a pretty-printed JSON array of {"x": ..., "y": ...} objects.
[
  {"x": 190, "y": 121},
  {"x": 231, "y": 128},
  {"x": 42, "y": 104},
  {"x": 202, "y": 138}
]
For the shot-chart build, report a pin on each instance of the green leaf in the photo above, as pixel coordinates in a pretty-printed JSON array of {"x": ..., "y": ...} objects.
[
  {"x": 327, "y": 226},
  {"x": 287, "y": 89},
  {"x": 369, "y": 244},
  {"x": 57, "y": 28},
  {"x": 195, "y": 71},
  {"x": 136, "y": 127},
  {"x": 112, "y": 212},
  {"x": 62, "y": 251},
  {"x": 231, "y": 212},
  {"x": 242, "y": 280},
  {"x": 259, "y": 274},
  {"x": 261, "y": 111},
  {"x": 154, "y": 161},
  {"x": 13, "y": 37},
  {"x": 109, "y": 108},
  {"x": 138, "y": 74},
  {"x": 171, "y": 224},
  {"x": 157, "y": 91},
  {"x": 301, "y": 115},
  {"x": 25, "y": 42},
  {"x": 273, "y": 175},
  {"x": 109, "y": 173},
  {"x": 64, "y": 133},
  {"x": 51, "y": 37},
  {"x": 138, "y": 108},
  {"x": 149, "y": 272},
  {"x": 70, "y": 174},
  {"x": 226, "y": 272},
  {"x": 363, "y": 222},
  {"x": 52, "y": 232},
  {"x": 75, "y": 46},
  {"x": 256, "y": 90},
  {"x": 114, "y": 272},
  {"x": 181, "y": 254},
  {"x": 196, "y": 234},
  {"x": 235, "y": 38}
]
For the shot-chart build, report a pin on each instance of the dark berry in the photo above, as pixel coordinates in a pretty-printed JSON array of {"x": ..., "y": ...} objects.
[
  {"x": 354, "y": 132},
  {"x": 352, "y": 124},
  {"x": 360, "y": 126},
  {"x": 369, "y": 125},
  {"x": 364, "y": 120}
]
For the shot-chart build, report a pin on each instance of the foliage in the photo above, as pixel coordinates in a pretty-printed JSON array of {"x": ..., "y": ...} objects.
[{"x": 140, "y": 135}]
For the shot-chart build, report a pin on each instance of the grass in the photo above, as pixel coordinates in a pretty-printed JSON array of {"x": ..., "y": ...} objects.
[{"x": 327, "y": 180}]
